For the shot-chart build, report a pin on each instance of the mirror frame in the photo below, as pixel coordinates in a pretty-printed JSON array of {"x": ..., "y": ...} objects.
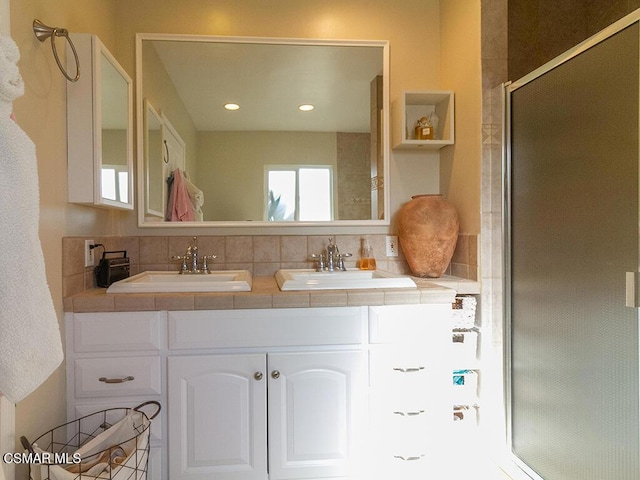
[{"x": 141, "y": 112}]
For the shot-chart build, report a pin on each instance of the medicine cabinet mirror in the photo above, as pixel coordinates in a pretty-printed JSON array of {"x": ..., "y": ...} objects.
[
  {"x": 248, "y": 166},
  {"x": 99, "y": 128}
]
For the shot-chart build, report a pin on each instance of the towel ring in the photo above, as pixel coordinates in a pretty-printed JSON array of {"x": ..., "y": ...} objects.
[{"x": 43, "y": 32}]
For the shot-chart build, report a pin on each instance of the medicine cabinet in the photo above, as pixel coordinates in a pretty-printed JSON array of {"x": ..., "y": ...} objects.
[
  {"x": 99, "y": 128},
  {"x": 434, "y": 105}
]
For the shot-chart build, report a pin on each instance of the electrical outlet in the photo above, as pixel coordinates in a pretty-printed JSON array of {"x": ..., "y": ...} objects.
[
  {"x": 392, "y": 246},
  {"x": 89, "y": 256}
]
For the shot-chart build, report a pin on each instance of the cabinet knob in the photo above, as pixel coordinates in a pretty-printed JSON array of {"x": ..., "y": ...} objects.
[
  {"x": 275, "y": 374},
  {"x": 257, "y": 375}
]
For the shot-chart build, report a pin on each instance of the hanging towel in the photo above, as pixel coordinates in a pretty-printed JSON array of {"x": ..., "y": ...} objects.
[
  {"x": 197, "y": 200},
  {"x": 30, "y": 344},
  {"x": 181, "y": 209}
]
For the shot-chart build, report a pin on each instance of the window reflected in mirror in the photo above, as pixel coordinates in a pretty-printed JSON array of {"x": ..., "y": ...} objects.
[
  {"x": 114, "y": 104},
  {"x": 299, "y": 193},
  {"x": 115, "y": 183}
]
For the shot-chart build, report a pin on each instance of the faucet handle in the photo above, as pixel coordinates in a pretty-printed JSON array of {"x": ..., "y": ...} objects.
[
  {"x": 184, "y": 259},
  {"x": 320, "y": 258},
  {"x": 341, "y": 258},
  {"x": 205, "y": 267}
]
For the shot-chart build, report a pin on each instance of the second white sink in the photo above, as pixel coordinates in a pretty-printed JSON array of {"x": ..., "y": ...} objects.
[
  {"x": 159, "y": 282},
  {"x": 309, "y": 279}
]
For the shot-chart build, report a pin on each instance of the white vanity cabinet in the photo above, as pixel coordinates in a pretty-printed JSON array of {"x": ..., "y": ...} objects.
[
  {"x": 301, "y": 391},
  {"x": 273, "y": 394},
  {"x": 308, "y": 407}
]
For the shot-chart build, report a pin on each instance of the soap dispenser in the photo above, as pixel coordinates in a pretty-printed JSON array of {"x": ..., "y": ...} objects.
[{"x": 367, "y": 260}]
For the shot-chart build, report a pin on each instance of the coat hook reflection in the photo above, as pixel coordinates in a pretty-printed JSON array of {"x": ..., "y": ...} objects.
[{"x": 43, "y": 32}]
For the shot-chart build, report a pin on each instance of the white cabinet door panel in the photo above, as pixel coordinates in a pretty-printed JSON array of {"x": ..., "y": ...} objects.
[
  {"x": 217, "y": 417},
  {"x": 317, "y": 407}
]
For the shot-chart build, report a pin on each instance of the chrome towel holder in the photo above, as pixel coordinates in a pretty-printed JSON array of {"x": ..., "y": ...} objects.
[{"x": 43, "y": 32}]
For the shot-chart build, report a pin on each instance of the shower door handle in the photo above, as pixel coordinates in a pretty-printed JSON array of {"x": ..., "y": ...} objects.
[{"x": 632, "y": 295}]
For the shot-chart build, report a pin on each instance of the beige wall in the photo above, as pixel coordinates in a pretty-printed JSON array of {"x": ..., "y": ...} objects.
[
  {"x": 41, "y": 112},
  {"x": 434, "y": 45},
  {"x": 240, "y": 159},
  {"x": 460, "y": 62}
]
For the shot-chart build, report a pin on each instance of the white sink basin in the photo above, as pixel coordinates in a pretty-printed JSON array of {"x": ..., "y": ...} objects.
[
  {"x": 158, "y": 282},
  {"x": 309, "y": 279}
]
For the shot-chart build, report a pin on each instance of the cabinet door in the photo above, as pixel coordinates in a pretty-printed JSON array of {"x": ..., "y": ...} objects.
[
  {"x": 317, "y": 407},
  {"x": 217, "y": 417}
]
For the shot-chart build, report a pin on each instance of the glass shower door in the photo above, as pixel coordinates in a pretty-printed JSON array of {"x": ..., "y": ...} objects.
[{"x": 573, "y": 220}]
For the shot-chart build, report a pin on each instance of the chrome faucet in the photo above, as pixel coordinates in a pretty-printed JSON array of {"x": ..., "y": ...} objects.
[
  {"x": 330, "y": 259},
  {"x": 192, "y": 255}
]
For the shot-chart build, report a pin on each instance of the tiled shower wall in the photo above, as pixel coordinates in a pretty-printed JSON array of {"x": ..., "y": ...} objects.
[
  {"x": 262, "y": 255},
  {"x": 539, "y": 30}
]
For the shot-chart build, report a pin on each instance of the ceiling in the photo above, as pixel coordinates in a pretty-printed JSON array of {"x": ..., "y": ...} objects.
[{"x": 269, "y": 82}]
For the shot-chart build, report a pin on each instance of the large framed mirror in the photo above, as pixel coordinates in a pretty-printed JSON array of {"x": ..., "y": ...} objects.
[{"x": 303, "y": 139}]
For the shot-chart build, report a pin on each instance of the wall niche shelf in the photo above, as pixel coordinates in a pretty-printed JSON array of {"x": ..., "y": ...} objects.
[{"x": 412, "y": 105}]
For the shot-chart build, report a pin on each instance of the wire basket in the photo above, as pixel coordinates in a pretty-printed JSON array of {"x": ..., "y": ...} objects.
[{"x": 111, "y": 444}]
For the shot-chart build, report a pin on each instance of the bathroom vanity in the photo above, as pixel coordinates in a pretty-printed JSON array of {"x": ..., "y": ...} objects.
[{"x": 355, "y": 387}]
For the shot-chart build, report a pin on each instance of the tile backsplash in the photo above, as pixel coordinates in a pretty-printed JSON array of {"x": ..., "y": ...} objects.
[{"x": 262, "y": 255}]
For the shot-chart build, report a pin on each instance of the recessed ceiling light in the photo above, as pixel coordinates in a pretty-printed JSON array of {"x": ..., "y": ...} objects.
[
  {"x": 231, "y": 106},
  {"x": 306, "y": 107}
]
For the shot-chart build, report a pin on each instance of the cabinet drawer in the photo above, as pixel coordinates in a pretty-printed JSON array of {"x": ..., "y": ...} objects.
[
  {"x": 109, "y": 376},
  {"x": 266, "y": 328},
  {"x": 394, "y": 369},
  {"x": 407, "y": 464},
  {"x": 102, "y": 332},
  {"x": 84, "y": 409},
  {"x": 410, "y": 324}
]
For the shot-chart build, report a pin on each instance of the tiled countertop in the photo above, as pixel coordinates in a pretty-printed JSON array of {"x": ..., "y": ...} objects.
[{"x": 266, "y": 294}]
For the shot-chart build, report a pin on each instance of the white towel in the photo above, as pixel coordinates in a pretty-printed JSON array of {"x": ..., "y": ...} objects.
[
  {"x": 197, "y": 199},
  {"x": 30, "y": 344}
]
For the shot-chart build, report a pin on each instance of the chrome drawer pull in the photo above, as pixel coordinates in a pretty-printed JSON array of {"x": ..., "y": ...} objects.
[
  {"x": 408, "y": 369},
  {"x": 410, "y": 414},
  {"x": 116, "y": 380},
  {"x": 410, "y": 458}
]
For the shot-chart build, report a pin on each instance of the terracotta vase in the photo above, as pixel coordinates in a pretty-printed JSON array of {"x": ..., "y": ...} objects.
[{"x": 427, "y": 233}]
